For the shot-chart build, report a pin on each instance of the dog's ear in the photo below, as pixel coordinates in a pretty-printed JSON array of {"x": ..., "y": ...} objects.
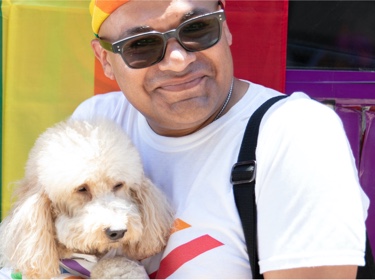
[
  {"x": 28, "y": 236},
  {"x": 157, "y": 219}
]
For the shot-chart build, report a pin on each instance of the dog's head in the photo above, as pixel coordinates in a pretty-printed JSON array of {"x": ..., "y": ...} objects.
[{"x": 84, "y": 191}]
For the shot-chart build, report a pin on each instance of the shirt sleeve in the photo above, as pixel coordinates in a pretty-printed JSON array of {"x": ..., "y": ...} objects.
[
  {"x": 311, "y": 208},
  {"x": 5, "y": 273},
  {"x": 101, "y": 105}
]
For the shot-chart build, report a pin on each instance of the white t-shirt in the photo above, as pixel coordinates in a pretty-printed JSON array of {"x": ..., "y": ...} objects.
[{"x": 311, "y": 209}]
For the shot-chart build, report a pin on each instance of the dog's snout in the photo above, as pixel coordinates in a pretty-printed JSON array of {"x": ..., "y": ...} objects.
[{"x": 115, "y": 234}]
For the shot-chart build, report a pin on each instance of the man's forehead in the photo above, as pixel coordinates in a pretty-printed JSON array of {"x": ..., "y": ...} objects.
[{"x": 139, "y": 16}]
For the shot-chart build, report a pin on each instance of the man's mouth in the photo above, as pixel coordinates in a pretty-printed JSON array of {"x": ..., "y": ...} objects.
[{"x": 181, "y": 85}]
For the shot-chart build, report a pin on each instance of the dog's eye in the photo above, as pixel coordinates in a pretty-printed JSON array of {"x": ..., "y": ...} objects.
[
  {"x": 82, "y": 189},
  {"x": 118, "y": 186}
]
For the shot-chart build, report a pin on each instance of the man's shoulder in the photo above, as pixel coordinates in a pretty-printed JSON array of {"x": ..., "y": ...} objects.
[
  {"x": 106, "y": 105},
  {"x": 300, "y": 107},
  {"x": 106, "y": 98}
]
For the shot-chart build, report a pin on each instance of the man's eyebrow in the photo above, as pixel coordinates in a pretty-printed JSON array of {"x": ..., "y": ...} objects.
[
  {"x": 194, "y": 13},
  {"x": 137, "y": 30},
  {"x": 142, "y": 29}
]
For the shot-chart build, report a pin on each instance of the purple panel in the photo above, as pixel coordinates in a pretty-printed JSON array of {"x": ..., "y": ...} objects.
[
  {"x": 330, "y": 75},
  {"x": 322, "y": 84},
  {"x": 352, "y": 119},
  {"x": 367, "y": 172}
]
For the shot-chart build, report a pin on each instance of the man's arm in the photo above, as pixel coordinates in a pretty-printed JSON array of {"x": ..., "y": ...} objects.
[{"x": 320, "y": 272}]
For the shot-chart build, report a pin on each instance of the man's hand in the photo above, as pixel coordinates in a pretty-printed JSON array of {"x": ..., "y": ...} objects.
[{"x": 319, "y": 272}]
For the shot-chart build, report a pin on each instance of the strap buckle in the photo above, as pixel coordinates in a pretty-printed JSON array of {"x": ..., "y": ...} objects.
[{"x": 243, "y": 172}]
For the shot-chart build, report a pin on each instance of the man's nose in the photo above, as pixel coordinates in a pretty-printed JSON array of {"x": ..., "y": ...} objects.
[{"x": 176, "y": 58}]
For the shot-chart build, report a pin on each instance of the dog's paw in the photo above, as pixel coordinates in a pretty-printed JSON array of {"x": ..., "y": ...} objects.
[{"x": 118, "y": 268}]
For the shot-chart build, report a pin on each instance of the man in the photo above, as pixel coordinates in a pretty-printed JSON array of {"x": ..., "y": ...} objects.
[{"x": 186, "y": 113}]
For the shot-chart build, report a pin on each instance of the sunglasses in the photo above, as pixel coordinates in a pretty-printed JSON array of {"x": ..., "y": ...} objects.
[{"x": 146, "y": 49}]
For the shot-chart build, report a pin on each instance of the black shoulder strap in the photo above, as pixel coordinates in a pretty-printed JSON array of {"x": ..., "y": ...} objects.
[{"x": 243, "y": 180}]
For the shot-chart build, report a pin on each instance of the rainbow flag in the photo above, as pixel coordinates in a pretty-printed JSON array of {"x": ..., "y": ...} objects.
[{"x": 48, "y": 67}]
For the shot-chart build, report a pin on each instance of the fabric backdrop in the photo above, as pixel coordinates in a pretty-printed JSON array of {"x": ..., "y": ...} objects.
[{"x": 48, "y": 67}]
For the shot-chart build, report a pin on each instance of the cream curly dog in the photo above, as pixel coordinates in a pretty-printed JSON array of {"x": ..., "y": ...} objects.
[{"x": 85, "y": 192}]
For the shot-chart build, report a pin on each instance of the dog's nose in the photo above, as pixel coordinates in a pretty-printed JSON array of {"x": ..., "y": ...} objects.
[{"x": 115, "y": 234}]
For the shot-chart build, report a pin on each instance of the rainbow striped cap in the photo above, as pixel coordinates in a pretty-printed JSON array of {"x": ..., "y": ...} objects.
[{"x": 100, "y": 10}]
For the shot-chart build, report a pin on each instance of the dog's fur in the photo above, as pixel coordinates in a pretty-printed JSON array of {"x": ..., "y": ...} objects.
[{"x": 83, "y": 179}]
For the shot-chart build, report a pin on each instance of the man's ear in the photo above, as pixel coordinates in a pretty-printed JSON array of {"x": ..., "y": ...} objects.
[
  {"x": 102, "y": 55},
  {"x": 227, "y": 33}
]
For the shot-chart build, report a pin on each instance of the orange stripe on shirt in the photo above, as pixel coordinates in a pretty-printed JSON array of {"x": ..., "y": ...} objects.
[{"x": 179, "y": 225}]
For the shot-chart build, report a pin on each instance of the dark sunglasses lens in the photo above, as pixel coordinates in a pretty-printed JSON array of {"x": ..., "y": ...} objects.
[
  {"x": 200, "y": 34},
  {"x": 143, "y": 51}
]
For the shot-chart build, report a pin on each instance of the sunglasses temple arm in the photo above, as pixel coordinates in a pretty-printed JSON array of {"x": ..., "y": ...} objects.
[{"x": 106, "y": 45}]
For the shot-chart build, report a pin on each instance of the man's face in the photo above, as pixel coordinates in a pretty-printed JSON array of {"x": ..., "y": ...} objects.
[{"x": 184, "y": 91}]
